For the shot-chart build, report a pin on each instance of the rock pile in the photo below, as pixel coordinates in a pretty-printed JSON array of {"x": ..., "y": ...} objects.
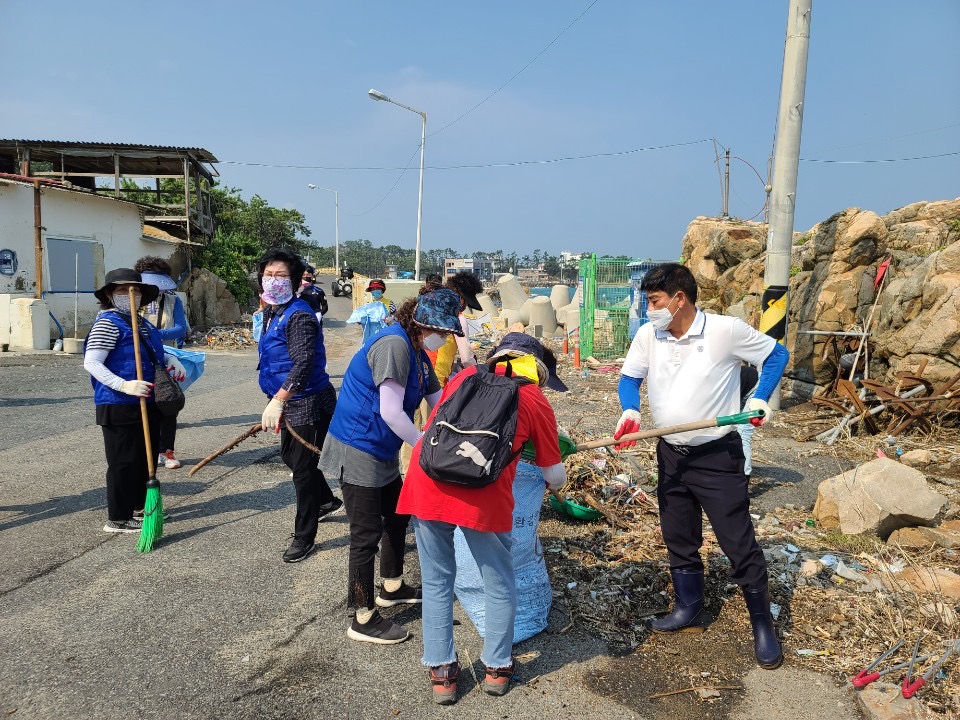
[{"x": 833, "y": 268}]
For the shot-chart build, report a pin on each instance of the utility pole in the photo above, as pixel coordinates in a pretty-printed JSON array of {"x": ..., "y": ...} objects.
[
  {"x": 726, "y": 186},
  {"x": 783, "y": 197}
]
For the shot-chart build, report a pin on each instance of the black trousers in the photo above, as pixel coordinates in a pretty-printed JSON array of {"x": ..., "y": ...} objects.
[
  {"x": 311, "y": 485},
  {"x": 373, "y": 522},
  {"x": 127, "y": 471},
  {"x": 708, "y": 479},
  {"x": 168, "y": 434}
]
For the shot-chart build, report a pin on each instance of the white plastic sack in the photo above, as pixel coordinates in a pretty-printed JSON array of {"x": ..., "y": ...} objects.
[{"x": 534, "y": 594}]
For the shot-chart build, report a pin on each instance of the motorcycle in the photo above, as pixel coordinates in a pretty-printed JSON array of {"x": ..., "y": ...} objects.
[{"x": 343, "y": 285}]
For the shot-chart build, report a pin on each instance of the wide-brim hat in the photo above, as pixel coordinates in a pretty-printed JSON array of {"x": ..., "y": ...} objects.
[
  {"x": 517, "y": 344},
  {"x": 127, "y": 276},
  {"x": 163, "y": 282},
  {"x": 377, "y": 285},
  {"x": 439, "y": 310}
]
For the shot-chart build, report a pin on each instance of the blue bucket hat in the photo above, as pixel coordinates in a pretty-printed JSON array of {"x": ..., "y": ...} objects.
[
  {"x": 439, "y": 310},
  {"x": 516, "y": 344}
]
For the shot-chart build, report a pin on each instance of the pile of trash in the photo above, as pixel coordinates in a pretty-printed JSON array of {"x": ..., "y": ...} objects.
[{"x": 228, "y": 337}]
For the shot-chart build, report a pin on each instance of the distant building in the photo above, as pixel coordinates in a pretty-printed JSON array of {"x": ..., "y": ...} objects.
[
  {"x": 483, "y": 269},
  {"x": 567, "y": 257},
  {"x": 531, "y": 275}
]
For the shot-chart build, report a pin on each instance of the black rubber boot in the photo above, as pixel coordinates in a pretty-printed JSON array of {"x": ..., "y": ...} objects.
[
  {"x": 766, "y": 644},
  {"x": 687, "y": 615}
]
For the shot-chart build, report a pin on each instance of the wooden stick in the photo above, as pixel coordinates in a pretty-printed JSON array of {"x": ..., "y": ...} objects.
[
  {"x": 229, "y": 446},
  {"x": 645, "y": 434},
  {"x": 135, "y": 326},
  {"x": 866, "y": 328},
  {"x": 694, "y": 689}
]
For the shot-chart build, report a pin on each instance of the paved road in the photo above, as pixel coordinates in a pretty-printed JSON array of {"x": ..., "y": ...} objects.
[{"x": 211, "y": 624}]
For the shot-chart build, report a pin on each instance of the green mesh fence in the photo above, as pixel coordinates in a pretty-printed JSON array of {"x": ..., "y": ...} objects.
[{"x": 604, "y": 309}]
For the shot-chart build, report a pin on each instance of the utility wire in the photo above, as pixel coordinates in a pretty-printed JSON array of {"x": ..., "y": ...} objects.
[
  {"x": 885, "y": 160},
  {"x": 392, "y": 187},
  {"x": 516, "y": 74}
]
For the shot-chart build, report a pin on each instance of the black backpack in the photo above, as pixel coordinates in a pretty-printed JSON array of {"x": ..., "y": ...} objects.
[{"x": 470, "y": 440}]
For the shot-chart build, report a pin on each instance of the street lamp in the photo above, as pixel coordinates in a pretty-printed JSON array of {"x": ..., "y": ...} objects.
[
  {"x": 336, "y": 246},
  {"x": 377, "y": 95}
]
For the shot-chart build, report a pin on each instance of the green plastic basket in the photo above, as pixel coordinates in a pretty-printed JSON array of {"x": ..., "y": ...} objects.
[{"x": 575, "y": 510}]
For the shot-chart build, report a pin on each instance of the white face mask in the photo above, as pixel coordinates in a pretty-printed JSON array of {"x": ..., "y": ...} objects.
[
  {"x": 434, "y": 341},
  {"x": 121, "y": 301},
  {"x": 661, "y": 318}
]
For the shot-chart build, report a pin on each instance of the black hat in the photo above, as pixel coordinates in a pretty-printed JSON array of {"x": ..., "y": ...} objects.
[
  {"x": 516, "y": 344},
  {"x": 126, "y": 276}
]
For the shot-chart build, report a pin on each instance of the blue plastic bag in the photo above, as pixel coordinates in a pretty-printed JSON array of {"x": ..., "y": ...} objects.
[
  {"x": 257, "y": 326},
  {"x": 371, "y": 317},
  {"x": 192, "y": 361}
]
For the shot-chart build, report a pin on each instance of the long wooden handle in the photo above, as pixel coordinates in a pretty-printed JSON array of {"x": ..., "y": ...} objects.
[
  {"x": 229, "y": 446},
  {"x": 135, "y": 326},
  {"x": 738, "y": 419}
]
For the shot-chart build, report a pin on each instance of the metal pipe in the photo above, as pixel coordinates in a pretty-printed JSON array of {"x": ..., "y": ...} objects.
[{"x": 37, "y": 240}]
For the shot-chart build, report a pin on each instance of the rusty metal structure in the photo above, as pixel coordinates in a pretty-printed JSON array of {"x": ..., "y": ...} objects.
[{"x": 99, "y": 168}]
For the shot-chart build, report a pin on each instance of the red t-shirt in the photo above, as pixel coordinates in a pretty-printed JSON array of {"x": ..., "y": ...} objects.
[{"x": 490, "y": 508}]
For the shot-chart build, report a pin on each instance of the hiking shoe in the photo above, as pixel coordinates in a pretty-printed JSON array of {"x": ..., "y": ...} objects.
[
  {"x": 330, "y": 507},
  {"x": 169, "y": 460},
  {"x": 123, "y": 526},
  {"x": 497, "y": 680},
  {"x": 298, "y": 550},
  {"x": 443, "y": 679},
  {"x": 377, "y": 630},
  {"x": 404, "y": 595}
]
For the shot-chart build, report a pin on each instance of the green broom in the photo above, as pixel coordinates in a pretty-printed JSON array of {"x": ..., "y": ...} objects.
[{"x": 152, "y": 528}]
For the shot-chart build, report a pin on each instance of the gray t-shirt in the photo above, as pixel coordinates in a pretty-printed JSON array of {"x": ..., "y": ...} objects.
[{"x": 389, "y": 359}]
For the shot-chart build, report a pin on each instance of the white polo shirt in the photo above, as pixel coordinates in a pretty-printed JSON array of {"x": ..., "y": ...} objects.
[{"x": 696, "y": 376}]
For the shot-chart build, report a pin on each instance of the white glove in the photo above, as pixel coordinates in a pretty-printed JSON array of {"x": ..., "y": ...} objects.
[
  {"x": 272, "y": 414},
  {"x": 629, "y": 423},
  {"x": 137, "y": 388},
  {"x": 758, "y": 404},
  {"x": 175, "y": 368},
  {"x": 555, "y": 476}
]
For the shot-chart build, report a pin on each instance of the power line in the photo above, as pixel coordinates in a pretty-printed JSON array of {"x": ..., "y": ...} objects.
[
  {"x": 516, "y": 74},
  {"x": 884, "y": 160}
]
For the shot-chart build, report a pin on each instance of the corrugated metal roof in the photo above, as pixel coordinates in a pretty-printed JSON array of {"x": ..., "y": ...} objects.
[{"x": 198, "y": 153}]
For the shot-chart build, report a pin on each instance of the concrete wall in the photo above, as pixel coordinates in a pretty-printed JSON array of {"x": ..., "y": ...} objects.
[{"x": 114, "y": 228}]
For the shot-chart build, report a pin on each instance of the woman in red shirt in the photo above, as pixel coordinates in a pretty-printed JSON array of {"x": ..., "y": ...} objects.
[{"x": 485, "y": 516}]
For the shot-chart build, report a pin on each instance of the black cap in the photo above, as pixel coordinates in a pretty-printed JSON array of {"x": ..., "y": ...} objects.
[
  {"x": 515, "y": 344},
  {"x": 126, "y": 276}
]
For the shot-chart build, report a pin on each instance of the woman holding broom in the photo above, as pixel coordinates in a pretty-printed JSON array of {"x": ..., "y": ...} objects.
[{"x": 109, "y": 358}]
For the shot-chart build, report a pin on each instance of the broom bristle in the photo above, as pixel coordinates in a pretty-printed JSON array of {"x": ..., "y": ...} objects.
[{"x": 152, "y": 529}]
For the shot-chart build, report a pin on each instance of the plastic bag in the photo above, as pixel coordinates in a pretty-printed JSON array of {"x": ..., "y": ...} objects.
[
  {"x": 193, "y": 364},
  {"x": 534, "y": 594},
  {"x": 371, "y": 317},
  {"x": 257, "y": 325}
]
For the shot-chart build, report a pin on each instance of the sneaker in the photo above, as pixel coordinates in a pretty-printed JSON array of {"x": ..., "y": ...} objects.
[
  {"x": 169, "y": 460},
  {"x": 330, "y": 507},
  {"x": 404, "y": 595},
  {"x": 298, "y": 550},
  {"x": 377, "y": 630},
  {"x": 443, "y": 679},
  {"x": 497, "y": 680},
  {"x": 121, "y": 526}
]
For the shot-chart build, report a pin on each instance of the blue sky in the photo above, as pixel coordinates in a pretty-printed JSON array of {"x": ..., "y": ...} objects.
[{"x": 285, "y": 84}]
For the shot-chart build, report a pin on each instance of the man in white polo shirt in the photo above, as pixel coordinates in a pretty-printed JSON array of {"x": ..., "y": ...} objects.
[{"x": 691, "y": 361}]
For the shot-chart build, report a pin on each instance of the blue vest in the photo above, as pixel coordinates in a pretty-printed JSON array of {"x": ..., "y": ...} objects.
[
  {"x": 122, "y": 362},
  {"x": 275, "y": 360},
  {"x": 356, "y": 421}
]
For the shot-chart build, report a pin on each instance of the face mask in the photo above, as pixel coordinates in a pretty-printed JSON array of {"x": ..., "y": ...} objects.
[
  {"x": 377, "y": 294},
  {"x": 121, "y": 301},
  {"x": 277, "y": 291},
  {"x": 434, "y": 341},
  {"x": 661, "y": 319}
]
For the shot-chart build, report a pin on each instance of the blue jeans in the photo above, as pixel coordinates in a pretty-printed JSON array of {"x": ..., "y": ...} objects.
[{"x": 438, "y": 571}]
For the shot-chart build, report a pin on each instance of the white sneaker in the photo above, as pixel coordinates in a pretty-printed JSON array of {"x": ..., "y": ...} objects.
[{"x": 169, "y": 460}]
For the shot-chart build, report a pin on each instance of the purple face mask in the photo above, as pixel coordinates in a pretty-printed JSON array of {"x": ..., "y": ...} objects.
[{"x": 276, "y": 290}]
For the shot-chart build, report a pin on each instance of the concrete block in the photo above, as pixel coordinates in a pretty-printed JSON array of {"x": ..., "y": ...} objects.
[{"x": 29, "y": 324}]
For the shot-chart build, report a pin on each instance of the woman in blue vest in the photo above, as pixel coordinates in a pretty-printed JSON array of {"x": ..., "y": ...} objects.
[
  {"x": 108, "y": 356},
  {"x": 383, "y": 385},
  {"x": 293, "y": 374}
]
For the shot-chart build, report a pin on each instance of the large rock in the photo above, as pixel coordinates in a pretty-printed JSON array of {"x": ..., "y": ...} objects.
[
  {"x": 210, "y": 302},
  {"x": 877, "y": 497},
  {"x": 925, "y": 580},
  {"x": 833, "y": 268}
]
